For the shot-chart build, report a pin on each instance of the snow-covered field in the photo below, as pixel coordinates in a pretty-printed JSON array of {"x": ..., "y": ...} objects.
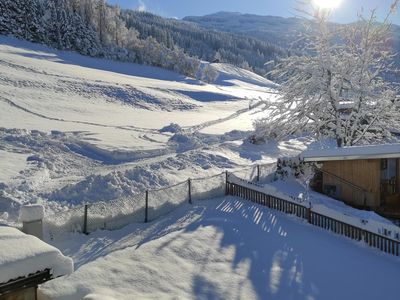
[
  {"x": 75, "y": 129},
  {"x": 223, "y": 249}
]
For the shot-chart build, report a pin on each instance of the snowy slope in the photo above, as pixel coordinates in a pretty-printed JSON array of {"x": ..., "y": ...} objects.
[
  {"x": 223, "y": 249},
  {"x": 76, "y": 129}
]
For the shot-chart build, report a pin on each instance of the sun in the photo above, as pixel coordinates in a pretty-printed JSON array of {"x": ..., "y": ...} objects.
[{"x": 327, "y": 4}]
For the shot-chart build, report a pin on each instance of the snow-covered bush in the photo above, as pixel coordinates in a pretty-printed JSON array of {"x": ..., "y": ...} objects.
[
  {"x": 292, "y": 167},
  {"x": 208, "y": 73}
]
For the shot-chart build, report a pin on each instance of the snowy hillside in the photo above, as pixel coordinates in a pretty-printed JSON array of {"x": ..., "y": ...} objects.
[
  {"x": 76, "y": 129},
  {"x": 223, "y": 249}
]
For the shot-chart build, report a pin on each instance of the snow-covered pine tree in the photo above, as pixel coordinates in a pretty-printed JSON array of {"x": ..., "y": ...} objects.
[
  {"x": 65, "y": 29},
  {"x": 84, "y": 38},
  {"x": 22, "y": 18},
  {"x": 335, "y": 88},
  {"x": 102, "y": 21},
  {"x": 8, "y": 21}
]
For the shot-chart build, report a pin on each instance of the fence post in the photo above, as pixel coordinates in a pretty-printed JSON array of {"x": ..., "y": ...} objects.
[
  {"x": 190, "y": 190},
  {"x": 226, "y": 183},
  {"x": 309, "y": 215},
  {"x": 258, "y": 173},
  {"x": 146, "y": 210},
  {"x": 85, "y": 219}
]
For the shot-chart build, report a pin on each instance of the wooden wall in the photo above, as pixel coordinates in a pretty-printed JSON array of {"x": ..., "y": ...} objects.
[
  {"x": 22, "y": 294},
  {"x": 363, "y": 173},
  {"x": 394, "y": 200}
]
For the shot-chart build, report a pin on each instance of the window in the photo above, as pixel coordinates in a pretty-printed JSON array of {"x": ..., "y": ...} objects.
[
  {"x": 389, "y": 176},
  {"x": 331, "y": 190}
]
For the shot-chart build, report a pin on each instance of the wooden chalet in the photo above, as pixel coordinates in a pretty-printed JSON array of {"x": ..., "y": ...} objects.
[{"x": 362, "y": 176}]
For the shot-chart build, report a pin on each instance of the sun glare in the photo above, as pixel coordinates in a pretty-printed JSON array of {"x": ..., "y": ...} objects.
[{"x": 328, "y": 4}]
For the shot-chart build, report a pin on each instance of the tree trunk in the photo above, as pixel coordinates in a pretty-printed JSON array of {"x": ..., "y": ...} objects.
[{"x": 339, "y": 142}]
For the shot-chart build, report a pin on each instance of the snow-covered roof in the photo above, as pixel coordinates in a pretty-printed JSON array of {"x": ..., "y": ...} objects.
[
  {"x": 352, "y": 153},
  {"x": 22, "y": 254}
]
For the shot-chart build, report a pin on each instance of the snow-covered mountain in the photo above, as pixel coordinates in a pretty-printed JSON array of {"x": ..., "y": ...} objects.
[{"x": 278, "y": 30}]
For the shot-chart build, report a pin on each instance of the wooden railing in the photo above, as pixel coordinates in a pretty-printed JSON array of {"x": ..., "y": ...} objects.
[{"x": 372, "y": 239}]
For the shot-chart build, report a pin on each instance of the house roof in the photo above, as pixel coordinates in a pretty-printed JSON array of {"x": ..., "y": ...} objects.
[
  {"x": 22, "y": 255},
  {"x": 32, "y": 280},
  {"x": 352, "y": 153}
]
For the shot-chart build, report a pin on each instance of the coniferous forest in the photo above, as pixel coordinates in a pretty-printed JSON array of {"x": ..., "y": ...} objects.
[{"x": 92, "y": 27}]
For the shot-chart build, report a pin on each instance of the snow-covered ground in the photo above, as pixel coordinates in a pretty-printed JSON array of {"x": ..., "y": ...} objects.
[
  {"x": 75, "y": 129},
  {"x": 223, "y": 249}
]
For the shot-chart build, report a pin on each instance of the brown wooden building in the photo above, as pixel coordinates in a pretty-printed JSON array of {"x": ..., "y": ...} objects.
[{"x": 363, "y": 176}]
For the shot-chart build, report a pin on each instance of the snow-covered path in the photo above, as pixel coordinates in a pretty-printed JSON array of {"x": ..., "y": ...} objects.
[{"x": 224, "y": 249}]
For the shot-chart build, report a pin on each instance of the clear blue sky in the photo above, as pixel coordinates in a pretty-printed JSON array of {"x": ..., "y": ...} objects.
[{"x": 180, "y": 8}]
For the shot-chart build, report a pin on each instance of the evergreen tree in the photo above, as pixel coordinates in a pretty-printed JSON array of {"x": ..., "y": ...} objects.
[{"x": 22, "y": 18}]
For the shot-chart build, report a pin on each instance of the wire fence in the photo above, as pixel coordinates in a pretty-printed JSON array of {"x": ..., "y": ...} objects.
[
  {"x": 163, "y": 201},
  {"x": 147, "y": 206},
  {"x": 208, "y": 188}
]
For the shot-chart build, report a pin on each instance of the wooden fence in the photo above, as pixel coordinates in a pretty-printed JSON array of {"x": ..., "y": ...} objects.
[{"x": 372, "y": 239}]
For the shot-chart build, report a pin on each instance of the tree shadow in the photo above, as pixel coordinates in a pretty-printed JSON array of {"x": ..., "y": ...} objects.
[
  {"x": 204, "y": 289},
  {"x": 287, "y": 258},
  {"x": 261, "y": 240},
  {"x": 284, "y": 257}
]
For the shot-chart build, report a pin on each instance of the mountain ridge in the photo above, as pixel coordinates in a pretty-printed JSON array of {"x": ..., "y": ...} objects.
[{"x": 264, "y": 27}]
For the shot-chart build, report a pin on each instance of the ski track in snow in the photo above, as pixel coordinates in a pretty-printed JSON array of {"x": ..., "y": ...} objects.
[
  {"x": 128, "y": 127},
  {"x": 234, "y": 115},
  {"x": 189, "y": 129}
]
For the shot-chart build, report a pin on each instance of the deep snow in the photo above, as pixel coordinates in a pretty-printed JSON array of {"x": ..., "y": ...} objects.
[
  {"x": 76, "y": 129},
  {"x": 223, "y": 249}
]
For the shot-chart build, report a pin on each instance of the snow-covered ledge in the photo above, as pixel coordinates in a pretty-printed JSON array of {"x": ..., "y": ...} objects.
[
  {"x": 22, "y": 255},
  {"x": 31, "y": 217}
]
